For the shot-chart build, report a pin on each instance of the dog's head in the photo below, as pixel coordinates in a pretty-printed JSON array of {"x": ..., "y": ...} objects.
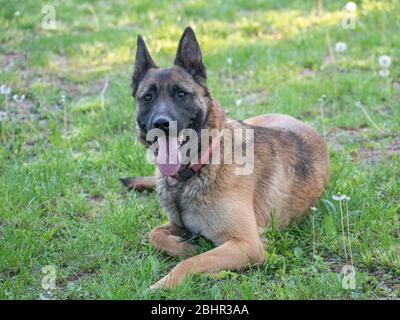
[{"x": 176, "y": 94}]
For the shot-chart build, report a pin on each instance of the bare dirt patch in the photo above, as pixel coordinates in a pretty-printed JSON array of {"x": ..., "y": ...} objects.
[
  {"x": 306, "y": 72},
  {"x": 12, "y": 60},
  {"x": 373, "y": 155},
  {"x": 372, "y": 147},
  {"x": 338, "y": 137}
]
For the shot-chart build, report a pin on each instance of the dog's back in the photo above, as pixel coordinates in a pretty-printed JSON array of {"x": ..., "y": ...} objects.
[{"x": 293, "y": 168}]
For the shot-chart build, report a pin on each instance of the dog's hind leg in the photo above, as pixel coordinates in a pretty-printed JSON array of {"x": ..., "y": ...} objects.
[
  {"x": 139, "y": 183},
  {"x": 170, "y": 239}
]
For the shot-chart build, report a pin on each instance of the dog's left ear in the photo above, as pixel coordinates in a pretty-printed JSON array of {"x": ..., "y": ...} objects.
[{"x": 188, "y": 56}]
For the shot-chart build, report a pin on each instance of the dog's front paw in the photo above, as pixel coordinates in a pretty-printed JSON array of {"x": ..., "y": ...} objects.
[{"x": 160, "y": 284}]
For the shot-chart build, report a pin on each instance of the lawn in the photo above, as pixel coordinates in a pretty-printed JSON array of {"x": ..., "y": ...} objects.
[{"x": 69, "y": 230}]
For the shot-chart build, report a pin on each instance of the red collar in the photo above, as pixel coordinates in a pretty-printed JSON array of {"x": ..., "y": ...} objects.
[{"x": 187, "y": 172}]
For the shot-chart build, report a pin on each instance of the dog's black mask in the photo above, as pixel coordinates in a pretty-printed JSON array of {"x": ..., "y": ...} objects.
[{"x": 176, "y": 94}]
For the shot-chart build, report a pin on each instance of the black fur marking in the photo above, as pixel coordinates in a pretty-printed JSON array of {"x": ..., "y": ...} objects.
[
  {"x": 304, "y": 164},
  {"x": 165, "y": 102},
  {"x": 178, "y": 206},
  {"x": 263, "y": 131}
]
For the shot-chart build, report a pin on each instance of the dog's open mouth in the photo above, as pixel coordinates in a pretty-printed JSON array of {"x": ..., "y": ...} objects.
[
  {"x": 168, "y": 156},
  {"x": 168, "y": 153}
]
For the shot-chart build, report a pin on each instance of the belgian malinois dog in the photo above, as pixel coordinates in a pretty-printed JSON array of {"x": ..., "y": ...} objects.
[{"x": 291, "y": 169}]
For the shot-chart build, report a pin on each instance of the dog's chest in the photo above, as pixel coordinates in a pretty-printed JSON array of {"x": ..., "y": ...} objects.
[{"x": 186, "y": 204}]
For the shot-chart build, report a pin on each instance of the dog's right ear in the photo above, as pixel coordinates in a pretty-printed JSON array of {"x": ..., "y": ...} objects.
[{"x": 143, "y": 62}]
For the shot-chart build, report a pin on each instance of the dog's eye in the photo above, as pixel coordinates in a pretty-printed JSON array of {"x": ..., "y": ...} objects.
[
  {"x": 181, "y": 94},
  {"x": 148, "y": 97}
]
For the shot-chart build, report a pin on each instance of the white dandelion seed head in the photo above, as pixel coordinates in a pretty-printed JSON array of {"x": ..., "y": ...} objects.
[
  {"x": 351, "y": 6},
  {"x": 5, "y": 90},
  {"x": 384, "y": 61},
  {"x": 63, "y": 98},
  {"x": 340, "y": 47},
  {"x": 340, "y": 197},
  {"x": 17, "y": 13},
  {"x": 18, "y": 98},
  {"x": 229, "y": 60},
  {"x": 238, "y": 102},
  {"x": 313, "y": 209},
  {"x": 384, "y": 73}
]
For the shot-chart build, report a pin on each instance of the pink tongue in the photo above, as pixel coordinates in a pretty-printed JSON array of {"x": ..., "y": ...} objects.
[{"x": 168, "y": 158}]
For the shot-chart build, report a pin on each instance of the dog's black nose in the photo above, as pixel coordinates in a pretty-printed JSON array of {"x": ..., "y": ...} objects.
[{"x": 161, "y": 123}]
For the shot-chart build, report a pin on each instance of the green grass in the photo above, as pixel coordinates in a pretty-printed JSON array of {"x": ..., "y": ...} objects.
[{"x": 61, "y": 202}]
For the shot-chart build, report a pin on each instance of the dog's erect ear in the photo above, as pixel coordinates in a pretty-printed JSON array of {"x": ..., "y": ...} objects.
[
  {"x": 189, "y": 57},
  {"x": 143, "y": 62}
]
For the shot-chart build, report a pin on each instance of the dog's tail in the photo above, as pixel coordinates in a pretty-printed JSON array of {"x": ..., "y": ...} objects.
[{"x": 139, "y": 183}]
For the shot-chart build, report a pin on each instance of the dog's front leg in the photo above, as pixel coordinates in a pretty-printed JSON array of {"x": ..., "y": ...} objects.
[
  {"x": 169, "y": 238},
  {"x": 233, "y": 254}
]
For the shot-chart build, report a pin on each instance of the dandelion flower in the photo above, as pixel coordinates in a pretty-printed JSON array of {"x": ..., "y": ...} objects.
[
  {"x": 340, "y": 197},
  {"x": 384, "y": 61},
  {"x": 238, "y": 102},
  {"x": 351, "y": 6},
  {"x": 384, "y": 73},
  {"x": 229, "y": 60},
  {"x": 17, "y": 13},
  {"x": 340, "y": 47}
]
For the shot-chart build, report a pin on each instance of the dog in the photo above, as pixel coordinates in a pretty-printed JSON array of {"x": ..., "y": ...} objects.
[{"x": 291, "y": 169}]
